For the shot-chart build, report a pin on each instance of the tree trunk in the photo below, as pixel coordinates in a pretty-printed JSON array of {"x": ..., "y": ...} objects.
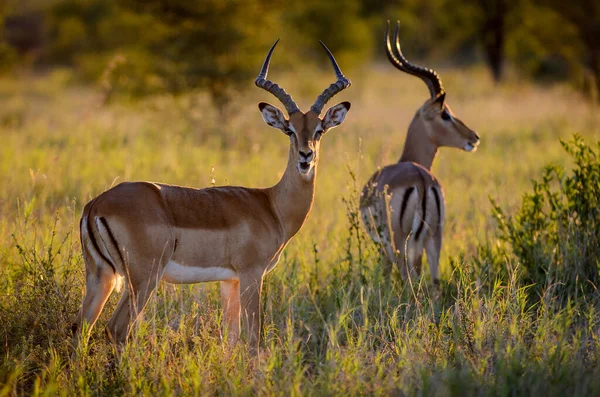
[
  {"x": 493, "y": 35},
  {"x": 595, "y": 66},
  {"x": 585, "y": 16},
  {"x": 589, "y": 34}
]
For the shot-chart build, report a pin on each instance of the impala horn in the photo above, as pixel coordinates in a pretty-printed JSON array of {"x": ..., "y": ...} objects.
[
  {"x": 342, "y": 83},
  {"x": 268, "y": 85},
  {"x": 429, "y": 76}
]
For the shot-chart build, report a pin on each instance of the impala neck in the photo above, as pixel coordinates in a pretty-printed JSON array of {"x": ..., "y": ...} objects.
[
  {"x": 419, "y": 148},
  {"x": 293, "y": 196}
]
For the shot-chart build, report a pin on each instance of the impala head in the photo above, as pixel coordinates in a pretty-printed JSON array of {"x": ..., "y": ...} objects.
[
  {"x": 435, "y": 116},
  {"x": 304, "y": 129}
]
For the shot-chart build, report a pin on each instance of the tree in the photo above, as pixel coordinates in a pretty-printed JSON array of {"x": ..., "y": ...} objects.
[
  {"x": 493, "y": 33},
  {"x": 211, "y": 44},
  {"x": 342, "y": 27},
  {"x": 145, "y": 46},
  {"x": 584, "y": 15}
]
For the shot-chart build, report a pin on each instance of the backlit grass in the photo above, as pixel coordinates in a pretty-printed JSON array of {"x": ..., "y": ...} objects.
[{"x": 331, "y": 324}]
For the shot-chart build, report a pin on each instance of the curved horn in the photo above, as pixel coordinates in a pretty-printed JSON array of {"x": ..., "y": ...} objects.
[
  {"x": 262, "y": 82},
  {"x": 429, "y": 76},
  {"x": 342, "y": 83}
]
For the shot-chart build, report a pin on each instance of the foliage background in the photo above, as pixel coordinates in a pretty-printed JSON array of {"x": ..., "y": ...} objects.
[{"x": 142, "y": 47}]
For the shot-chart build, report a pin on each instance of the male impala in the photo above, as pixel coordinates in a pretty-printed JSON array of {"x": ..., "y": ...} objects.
[
  {"x": 402, "y": 205},
  {"x": 147, "y": 232}
]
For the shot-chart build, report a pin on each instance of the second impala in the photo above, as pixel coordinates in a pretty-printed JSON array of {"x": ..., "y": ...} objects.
[
  {"x": 147, "y": 232},
  {"x": 402, "y": 205}
]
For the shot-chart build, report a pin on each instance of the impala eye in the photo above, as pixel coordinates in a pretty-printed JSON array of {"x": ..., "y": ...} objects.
[
  {"x": 288, "y": 131},
  {"x": 446, "y": 116},
  {"x": 318, "y": 133}
]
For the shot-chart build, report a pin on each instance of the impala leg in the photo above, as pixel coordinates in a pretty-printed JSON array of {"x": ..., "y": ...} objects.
[
  {"x": 118, "y": 326},
  {"x": 388, "y": 252},
  {"x": 403, "y": 261},
  {"x": 230, "y": 301},
  {"x": 130, "y": 307},
  {"x": 387, "y": 262},
  {"x": 418, "y": 263},
  {"x": 433, "y": 246},
  {"x": 250, "y": 289},
  {"x": 98, "y": 287}
]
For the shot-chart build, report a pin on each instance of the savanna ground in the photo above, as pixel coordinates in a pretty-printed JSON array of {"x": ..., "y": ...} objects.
[{"x": 331, "y": 324}]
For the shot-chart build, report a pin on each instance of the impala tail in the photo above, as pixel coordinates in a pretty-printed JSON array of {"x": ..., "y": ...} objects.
[{"x": 100, "y": 248}]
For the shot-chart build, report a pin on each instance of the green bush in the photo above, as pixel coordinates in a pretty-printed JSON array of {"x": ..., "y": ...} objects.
[{"x": 555, "y": 234}]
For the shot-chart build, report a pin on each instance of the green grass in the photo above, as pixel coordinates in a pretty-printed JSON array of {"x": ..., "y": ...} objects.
[{"x": 331, "y": 325}]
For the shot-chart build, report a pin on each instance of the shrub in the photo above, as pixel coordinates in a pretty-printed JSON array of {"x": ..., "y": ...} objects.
[{"x": 555, "y": 234}]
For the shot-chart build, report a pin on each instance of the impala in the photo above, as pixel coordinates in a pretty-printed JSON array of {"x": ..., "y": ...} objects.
[
  {"x": 145, "y": 232},
  {"x": 402, "y": 205}
]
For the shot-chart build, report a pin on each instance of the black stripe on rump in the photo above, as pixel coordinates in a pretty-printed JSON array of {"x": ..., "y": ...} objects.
[
  {"x": 407, "y": 194},
  {"x": 439, "y": 206},
  {"x": 112, "y": 239},
  {"x": 424, "y": 208},
  {"x": 95, "y": 243}
]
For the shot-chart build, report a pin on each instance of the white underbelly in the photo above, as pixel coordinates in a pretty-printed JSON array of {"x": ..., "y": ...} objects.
[{"x": 177, "y": 273}]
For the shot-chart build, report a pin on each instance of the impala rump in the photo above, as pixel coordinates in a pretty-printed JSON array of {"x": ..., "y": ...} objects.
[{"x": 402, "y": 209}]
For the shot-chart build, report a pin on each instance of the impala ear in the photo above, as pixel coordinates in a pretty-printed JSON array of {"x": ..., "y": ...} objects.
[
  {"x": 440, "y": 99},
  {"x": 335, "y": 115},
  {"x": 273, "y": 116}
]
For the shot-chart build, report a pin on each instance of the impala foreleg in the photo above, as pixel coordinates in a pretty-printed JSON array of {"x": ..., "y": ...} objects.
[
  {"x": 230, "y": 301},
  {"x": 250, "y": 289}
]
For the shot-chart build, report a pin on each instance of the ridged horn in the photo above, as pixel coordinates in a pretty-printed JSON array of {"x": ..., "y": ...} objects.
[
  {"x": 277, "y": 91},
  {"x": 342, "y": 83},
  {"x": 429, "y": 76}
]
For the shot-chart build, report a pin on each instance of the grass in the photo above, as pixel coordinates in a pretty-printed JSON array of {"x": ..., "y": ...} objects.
[{"x": 331, "y": 324}]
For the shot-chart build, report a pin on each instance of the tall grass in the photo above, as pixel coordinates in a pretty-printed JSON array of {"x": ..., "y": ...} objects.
[{"x": 500, "y": 324}]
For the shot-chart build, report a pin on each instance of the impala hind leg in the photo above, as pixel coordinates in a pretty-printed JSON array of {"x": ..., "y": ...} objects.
[
  {"x": 433, "y": 246},
  {"x": 100, "y": 282},
  {"x": 418, "y": 263},
  {"x": 387, "y": 262},
  {"x": 230, "y": 301},
  {"x": 388, "y": 251},
  {"x": 130, "y": 307},
  {"x": 402, "y": 264},
  {"x": 405, "y": 256}
]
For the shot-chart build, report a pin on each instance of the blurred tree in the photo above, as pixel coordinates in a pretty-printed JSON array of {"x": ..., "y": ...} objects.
[
  {"x": 438, "y": 29},
  {"x": 145, "y": 46},
  {"x": 7, "y": 52},
  {"x": 72, "y": 30},
  {"x": 486, "y": 21},
  {"x": 493, "y": 32},
  {"x": 22, "y": 33},
  {"x": 213, "y": 44},
  {"x": 542, "y": 45},
  {"x": 584, "y": 15},
  {"x": 340, "y": 26},
  {"x": 140, "y": 47}
]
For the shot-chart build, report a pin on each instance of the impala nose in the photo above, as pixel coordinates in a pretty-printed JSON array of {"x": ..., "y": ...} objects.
[{"x": 306, "y": 156}]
